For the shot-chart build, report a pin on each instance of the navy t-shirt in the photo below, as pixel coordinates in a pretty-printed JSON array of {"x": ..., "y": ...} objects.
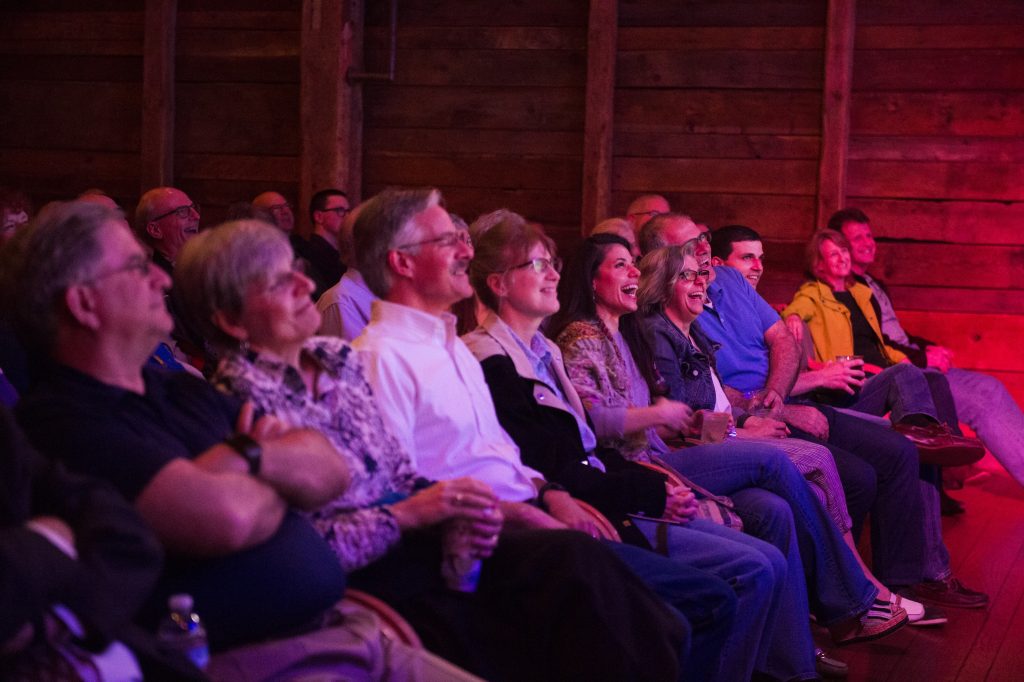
[{"x": 126, "y": 438}]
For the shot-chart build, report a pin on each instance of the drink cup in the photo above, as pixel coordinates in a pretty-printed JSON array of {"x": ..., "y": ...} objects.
[
  {"x": 714, "y": 426},
  {"x": 460, "y": 567}
]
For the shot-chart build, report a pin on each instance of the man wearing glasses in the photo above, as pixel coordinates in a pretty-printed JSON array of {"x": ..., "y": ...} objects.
[
  {"x": 327, "y": 211},
  {"x": 279, "y": 210},
  {"x": 165, "y": 219}
]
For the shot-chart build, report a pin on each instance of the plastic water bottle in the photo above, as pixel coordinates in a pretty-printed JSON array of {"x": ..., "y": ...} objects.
[{"x": 183, "y": 632}]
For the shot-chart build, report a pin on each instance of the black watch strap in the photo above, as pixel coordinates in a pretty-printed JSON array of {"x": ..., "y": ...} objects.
[{"x": 251, "y": 451}]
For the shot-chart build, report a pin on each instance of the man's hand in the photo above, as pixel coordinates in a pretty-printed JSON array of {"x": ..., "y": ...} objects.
[
  {"x": 527, "y": 517},
  {"x": 939, "y": 357},
  {"x": 763, "y": 427},
  {"x": 768, "y": 398},
  {"x": 680, "y": 503},
  {"x": 806, "y": 418}
]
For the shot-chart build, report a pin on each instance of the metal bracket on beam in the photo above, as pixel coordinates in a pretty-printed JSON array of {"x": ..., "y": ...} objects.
[{"x": 389, "y": 76}]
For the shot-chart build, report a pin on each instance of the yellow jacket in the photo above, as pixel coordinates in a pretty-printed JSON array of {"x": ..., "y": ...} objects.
[{"x": 829, "y": 320}]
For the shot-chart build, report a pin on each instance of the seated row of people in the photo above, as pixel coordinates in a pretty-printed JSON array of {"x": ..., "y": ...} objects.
[{"x": 318, "y": 463}]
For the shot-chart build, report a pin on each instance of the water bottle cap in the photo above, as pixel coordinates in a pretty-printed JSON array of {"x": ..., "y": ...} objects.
[{"x": 180, "y": 603}]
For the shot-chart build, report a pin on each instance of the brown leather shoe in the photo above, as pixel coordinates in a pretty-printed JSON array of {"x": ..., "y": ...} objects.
[
  {"x": 936, "y": 444},
  {"x": 949, "y": 592}
]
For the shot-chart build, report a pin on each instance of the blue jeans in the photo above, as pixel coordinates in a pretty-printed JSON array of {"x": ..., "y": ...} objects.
[
  {"x": 901, "y": 389},
  {"x": 706, "y": 602},
  {"x": 870, "y": 455},
  {"x": 777, "y": 506},
  {"x": 983, "y": 403},
  {"x": 755, "y": 570}
]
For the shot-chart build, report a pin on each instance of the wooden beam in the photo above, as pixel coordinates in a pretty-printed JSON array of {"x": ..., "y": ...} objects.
[
  {"x": 157, "y": 150},
  {"x": 835, "y": 109},
  {"x": 602, "y": 37},
  {"x": 331, "y": 108}
]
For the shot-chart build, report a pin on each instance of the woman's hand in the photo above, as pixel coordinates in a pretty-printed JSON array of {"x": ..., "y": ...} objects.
[
  {"x": 563, "y": 508},
  {"x": 795, "y": 325},
  {"x": 460, "y": 498},
  {"x": 763, "y": 427},
  {"x": 680, "y": 503},
  {"x": 673, "y": 415}
]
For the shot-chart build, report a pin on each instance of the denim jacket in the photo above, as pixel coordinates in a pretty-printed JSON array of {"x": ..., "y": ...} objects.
[{"x": 686, "y": 369}]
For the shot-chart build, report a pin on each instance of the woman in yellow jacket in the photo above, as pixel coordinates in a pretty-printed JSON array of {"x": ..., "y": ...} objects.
[{"x": 842, "y": 317}]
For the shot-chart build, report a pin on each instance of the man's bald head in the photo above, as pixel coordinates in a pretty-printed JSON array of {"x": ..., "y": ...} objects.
[
  {"x": 279, "y": 208},
  {"x": 645, "y": 207}
]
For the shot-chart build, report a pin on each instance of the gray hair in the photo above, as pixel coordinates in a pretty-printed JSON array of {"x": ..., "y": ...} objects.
[
  {"x": 659, "y": 271},
  {"x": 652, "y": 234},
  {"x": 216, "y": 268},
  {"x": 58, "y": 249},
  {"x": 384, "y": 222}
]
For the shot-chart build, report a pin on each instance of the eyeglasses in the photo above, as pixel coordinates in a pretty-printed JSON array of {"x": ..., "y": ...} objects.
[
  {"x": 702, "y": 238},
  {"x": 182, "y": 212},
  {"x": 540, "y": 265},
  {"x": 341, "y": 211},
  {"x": 648, "y": 213},
  {"x": 277, "y": 208},
  {"x": 140, "y": 263},
  {"x": 692, "y": 275},
  {"x": 447, "y": 240}
]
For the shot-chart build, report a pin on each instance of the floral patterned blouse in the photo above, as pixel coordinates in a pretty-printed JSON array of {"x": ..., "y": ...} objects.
[{"x": 356, "y": 524}]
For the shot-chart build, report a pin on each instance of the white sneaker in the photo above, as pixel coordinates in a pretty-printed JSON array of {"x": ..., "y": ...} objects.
[{"x": 918, "y": 614}]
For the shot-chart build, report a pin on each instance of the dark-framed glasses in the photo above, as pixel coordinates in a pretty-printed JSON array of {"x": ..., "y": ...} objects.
[
  {"x": 540, "y": 265},
  {"x": 182, "y": 212},
  {"x": 447, "y": 240},
  {"x": 692, "y": 275},
  {"x": 340, "y": 211}
]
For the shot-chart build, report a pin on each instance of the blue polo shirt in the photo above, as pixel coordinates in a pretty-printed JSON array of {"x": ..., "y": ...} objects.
[
  {"x": 738, "y": 321},
  {"x": 126, "y": 438}
]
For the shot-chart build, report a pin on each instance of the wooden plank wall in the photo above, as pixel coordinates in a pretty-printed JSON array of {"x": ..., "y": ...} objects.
[
  {"x": 237, "y": 124},
  {"x": 71, "y": 93},
  {"x": 936, "y": 154},
  {"x": 487, "y": 105},
  {"x": 718, "y": 107},
  {"x": 71, "y": 97}
]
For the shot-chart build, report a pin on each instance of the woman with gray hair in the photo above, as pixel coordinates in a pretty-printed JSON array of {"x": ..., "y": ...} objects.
[
  {"x": 671, "y": 298},
  {"x": 239, "y": 286}
]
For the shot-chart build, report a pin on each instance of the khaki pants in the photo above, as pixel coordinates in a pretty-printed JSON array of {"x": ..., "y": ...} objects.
[{"x": 352, "y": 647}]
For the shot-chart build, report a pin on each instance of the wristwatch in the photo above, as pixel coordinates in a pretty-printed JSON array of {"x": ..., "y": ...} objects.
[
  {"x": 546, "y": 488},
  {"x": 251, "y": 451}
]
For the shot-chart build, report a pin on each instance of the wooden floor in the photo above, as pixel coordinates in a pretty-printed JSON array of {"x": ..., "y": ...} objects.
[{"x": 987, "y": 548}]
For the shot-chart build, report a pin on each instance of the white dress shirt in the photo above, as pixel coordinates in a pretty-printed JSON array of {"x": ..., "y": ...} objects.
[{"x": 433, "y": 396}]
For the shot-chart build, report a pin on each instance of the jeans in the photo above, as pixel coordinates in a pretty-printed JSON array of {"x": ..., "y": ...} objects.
[
  {"x": 755, "y": 570},
  {"x": 983, "y": 403},
  {"x": 901, "y": 389},
  {"x": 706, "y": 599},
  {"x": 776, "y": 505},
  {"x": 900, "y": 537}
]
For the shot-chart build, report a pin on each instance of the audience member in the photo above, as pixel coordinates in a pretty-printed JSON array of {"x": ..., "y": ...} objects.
[
  {"x": 327, "y": 211},
  {"x": 982, "y": 402},
  {"x": 216, "y": 485},
  {"x": 842, "y": 320},
  {"x": 645, "y": 207},
  {"x": 279, "y": 210},
  {"x": 165, "y": 219},
  {"x": 76, "y": 562},
  {"x": 622, "y": 228},
  {"x": 434, "y": 398},
  {"x": 345, "y": 307},
  {"x": 15, "y": 211}
]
